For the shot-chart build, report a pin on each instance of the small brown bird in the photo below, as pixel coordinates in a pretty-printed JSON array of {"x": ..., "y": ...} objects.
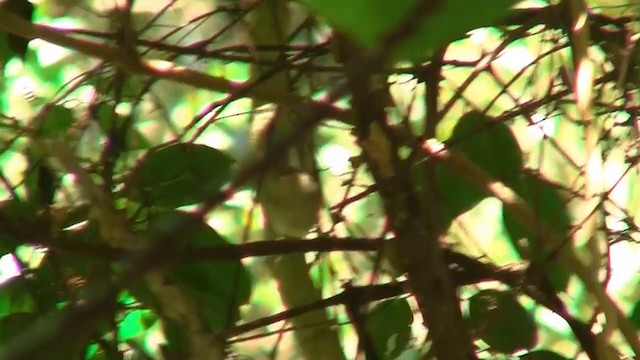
[{"x": 290, "y": 200}]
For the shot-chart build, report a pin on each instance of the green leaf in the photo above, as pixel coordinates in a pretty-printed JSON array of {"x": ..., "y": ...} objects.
[
  {"x": 635, "y": 314},
  {"x": 8, "y": 242},
  {"x": 24, "y": 10},
  {"x": 19, "y": 214},
  {"x": 458, "y": 195},
  {"x": 488, "y": 144},
  {"x": 389, "y": 325},
  {"x": 133, "y": 324},
  {"x": 65, "y": 348},
  {"x": 57, "y": 121},
  {"x": 15, "y": 297},
  {"x": 221, "y": 287},
  {"x": 179, "y": 174},
  {"x": 499, "y": 319},
  {"x": 43, "y": 285},
  {"x": 450, "y": 22},
  {"x": 367, "y": 21},
  {"x": 542, "y": 355},
  {"x": 15, "y": 323},
  {"x": 5, "y": 54},
  {"x": 177, "y": 346},
  {"x": 547, "y": 204},
  {"x": 370, "y": 21}
]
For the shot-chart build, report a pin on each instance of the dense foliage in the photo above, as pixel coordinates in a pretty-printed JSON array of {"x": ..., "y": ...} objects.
[{"x": 319, "y": 179}]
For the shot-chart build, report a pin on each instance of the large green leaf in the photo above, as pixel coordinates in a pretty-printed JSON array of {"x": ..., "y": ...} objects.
[
  {"x": 635, "y": 314},
  {"x": 178, "y": 341},
  {"x": 17, "y": 214},
  {"x": 5, "y": 54},
  {"x": 23, "y": 9},
  {"x": 499, "y": 319},
  {"x": 15, "y": 297},
  {"x": 450, "y": 22},
  {"x": 458, "y": 195},
  {"x": 367, "y": 21},
  {"x": 65, "y": 348},
  {"x": 14, "y": 323},
  {"x": 8, "y": 242},
  {"x": 220, "y": 286},
  {"x": 370, "y": 21},
  {"x": 545, "y": 200},
  {"x": 389, "y": 326},
  {"x": 488, "y": 144},
  {"x": 57, "y": 120},
  {"x": 43, "y": 285},
  {"x": 179, "y": 174},
  {"x": 542, "y": 355}
]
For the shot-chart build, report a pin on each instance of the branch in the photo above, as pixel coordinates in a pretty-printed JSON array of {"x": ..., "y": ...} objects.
[
  {"x": 466, "y": 270},
  {"x": 159, "y": 69},
  {"x": 469, "y": 271},
  {"x": 364, "y": 293},
  {"x": 603, "y": 28},
  {"x": 526, "y": 217},
  {"x": 224, "y": 252}
]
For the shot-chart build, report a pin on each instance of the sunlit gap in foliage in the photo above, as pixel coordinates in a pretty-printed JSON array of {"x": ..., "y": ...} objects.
[{"x": 9, "y": 268}]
